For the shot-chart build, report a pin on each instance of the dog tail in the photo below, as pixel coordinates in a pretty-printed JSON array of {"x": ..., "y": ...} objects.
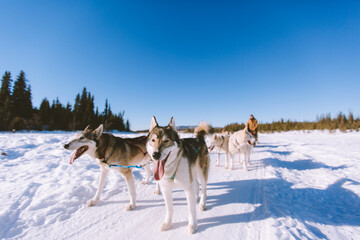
[{"x": 202, "y": 130}]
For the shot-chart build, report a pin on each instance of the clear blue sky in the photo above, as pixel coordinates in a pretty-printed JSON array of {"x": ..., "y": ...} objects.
[{"x": 195, "y": 60}]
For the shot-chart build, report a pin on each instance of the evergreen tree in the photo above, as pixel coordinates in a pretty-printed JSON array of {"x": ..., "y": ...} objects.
[
  {"x": 84, "y": 110},
  {"x": 68, "y": 116},
  {"x": 106, "y": 115},
  {"x": 21, "y": 98},
  {"x": 127, "y": 125},
  {"x": 5, "y": 101},
  {"x": 45, "y": 112},
  {"x": 58, "y": 120},
  {"x": 76, "y": 113},
  {"x": 5, "y": 91}
]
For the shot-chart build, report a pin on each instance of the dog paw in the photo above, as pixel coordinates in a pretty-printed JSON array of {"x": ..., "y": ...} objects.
[
  {"x": 231, "y": 168},
  {"x": 130, "y": 207},
  {"x": 157, "y": 192},
  {"x": 217, "y": 165},
  {"x": 202, "y": 207},
  {"x": 165, "y": 226},
  {"x": 192, "y": 228},
  {"x": 92, "y": 202},
  {"x": 226, "y": 167},
  {"x": 144, "y": 182}
]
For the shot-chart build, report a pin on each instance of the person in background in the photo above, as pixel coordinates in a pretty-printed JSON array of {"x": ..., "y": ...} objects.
[{"x": 252, "y": 126}]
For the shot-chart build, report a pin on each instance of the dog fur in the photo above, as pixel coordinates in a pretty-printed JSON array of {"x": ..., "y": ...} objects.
[{"x": 107, "y": 149}]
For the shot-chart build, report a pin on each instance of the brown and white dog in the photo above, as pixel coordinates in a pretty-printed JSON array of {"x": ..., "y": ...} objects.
[
  {"x": 108, "y": 149},
  {"x": 179, "y": 162}
]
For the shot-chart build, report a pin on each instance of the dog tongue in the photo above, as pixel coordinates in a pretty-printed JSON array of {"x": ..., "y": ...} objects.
[
  {"x": 73, "y": 157},
  {"x": 158, "y": 169}
]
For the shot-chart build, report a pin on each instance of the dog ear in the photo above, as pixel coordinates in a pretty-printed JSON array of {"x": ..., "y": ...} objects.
[
  {"x": 87, "y": 128},
  {"x": 98, "y": 132},
  {"x": 215, "y": 137},
  {"x": 172, "y": 124},
  {"x": 153, "y": 123}
]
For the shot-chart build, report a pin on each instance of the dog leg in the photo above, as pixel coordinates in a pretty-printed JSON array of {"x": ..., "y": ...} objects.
[
  {"x": 232, "y": 162},
  {"x": 245, "y": 162},
  {"x": 231, "y": 159},
  {"x": 167, "y": 224},
  {"x": 248, "y": 155},
  {"x": 218, "y": 159},
  {"x": 103, "y": 173},
  {"x": 202, "y": 203},
  {"x": 129, "y": 178},
  {"x": 157, "y": 188},
  {"x": 226, "y": 159},
  {"x": 197, "y": 190},
  {"x": 190, "y": 198},
  {"x": 148, "y": 175}
]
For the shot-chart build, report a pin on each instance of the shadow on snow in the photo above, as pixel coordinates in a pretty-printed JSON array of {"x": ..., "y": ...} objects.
[
  {"x": 306, "y": 164},
  {"x": 334, "y": 205}
]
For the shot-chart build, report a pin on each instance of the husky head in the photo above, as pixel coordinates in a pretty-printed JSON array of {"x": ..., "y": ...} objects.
[
  {"x": 249, "y": 138},
  {"x": 160, "y": 143},
  {"x": 85, "y": 142},
  {"x": 215, "y": 141}
]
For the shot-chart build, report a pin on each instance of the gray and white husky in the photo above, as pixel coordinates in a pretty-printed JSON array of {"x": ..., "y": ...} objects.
[
  {"x": 221, "y": 143},
  {"x": 108, "y": 149},
  {"x": 179, "y": 162},
  {"x": 241, "y": 143}
]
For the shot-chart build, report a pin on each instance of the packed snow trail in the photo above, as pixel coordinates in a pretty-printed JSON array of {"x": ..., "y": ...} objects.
[{"x": 299, "y": 186}]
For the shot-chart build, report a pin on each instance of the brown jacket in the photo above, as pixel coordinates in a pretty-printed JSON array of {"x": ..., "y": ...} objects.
[{"x": 252, "y": 124}]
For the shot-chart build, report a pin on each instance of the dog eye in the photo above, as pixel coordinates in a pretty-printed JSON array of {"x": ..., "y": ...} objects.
[
  {"x": 153, "y": 140},
  {"x": 166, "y": 140},
  {"x": 81, "y": 138}
]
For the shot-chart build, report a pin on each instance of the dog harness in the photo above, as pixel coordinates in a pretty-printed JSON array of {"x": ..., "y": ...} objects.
[
  {"x": 127, "y": 167},
  {"x": 173, "y": 176}
]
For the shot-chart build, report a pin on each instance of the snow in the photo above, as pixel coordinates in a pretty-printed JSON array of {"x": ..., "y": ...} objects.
[{"x": 301, "y": 185}]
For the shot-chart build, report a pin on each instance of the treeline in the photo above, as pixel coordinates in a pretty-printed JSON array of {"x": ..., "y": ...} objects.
[
  {"x": 341, "y": 121},
  {"x": 17, "y": 111}
]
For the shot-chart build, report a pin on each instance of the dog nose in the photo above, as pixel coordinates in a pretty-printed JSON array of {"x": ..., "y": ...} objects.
[
  {"x": 156, "y": 155},
  {"x": 66, "y": 146}
]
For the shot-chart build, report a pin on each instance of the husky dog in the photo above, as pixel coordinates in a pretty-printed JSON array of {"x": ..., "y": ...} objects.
[
  {"x": 179, "y": 162},
  {"x": 241, "y": 143},
  {"x": 221, "y": 142},
  {"x": 202, "y": 129},
  {"x": 107, "y": 149}
]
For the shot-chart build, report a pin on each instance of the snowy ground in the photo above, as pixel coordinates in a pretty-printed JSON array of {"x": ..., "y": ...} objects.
[{"x": 300, "y": 186}]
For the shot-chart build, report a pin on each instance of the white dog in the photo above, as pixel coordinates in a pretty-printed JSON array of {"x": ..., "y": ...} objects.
[
  {"x": 241, "y": 143},
  {"x": 220, "y": 142}
]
